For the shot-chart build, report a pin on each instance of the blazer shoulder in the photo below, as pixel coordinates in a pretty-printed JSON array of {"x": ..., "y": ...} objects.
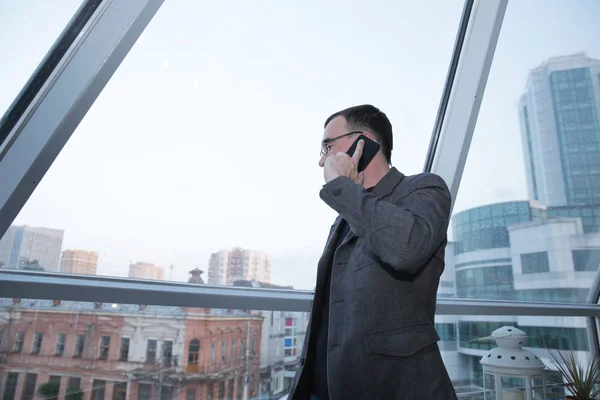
[{"x": 425, "y": 180}]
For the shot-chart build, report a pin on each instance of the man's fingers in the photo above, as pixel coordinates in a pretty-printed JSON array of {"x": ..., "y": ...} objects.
[
  {"x": 361, "y": 177},
  {"x": 358, "y": 152}
]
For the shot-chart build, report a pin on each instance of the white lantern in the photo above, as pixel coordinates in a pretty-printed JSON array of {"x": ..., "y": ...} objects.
[{"x": 510, "y": 360}]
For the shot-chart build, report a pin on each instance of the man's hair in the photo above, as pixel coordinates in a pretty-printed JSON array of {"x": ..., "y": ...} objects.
[{"x": 369, "y": 118}]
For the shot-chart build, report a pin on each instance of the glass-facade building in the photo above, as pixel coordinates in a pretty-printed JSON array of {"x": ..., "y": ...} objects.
[
  {"x": 484, "y": 257},
  {"x": 560, "y": 131}
]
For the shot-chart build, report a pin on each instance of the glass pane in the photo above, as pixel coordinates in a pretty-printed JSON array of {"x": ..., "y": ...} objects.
[
  {"x": 546, "y": 337},
  {"x": 28, "y": 28},
  {"x": 531, "y": 165},
  {"x": 188, "y": 332},
  {"x": 208, "y": 135},
  {"x": 195, "y": 328}
]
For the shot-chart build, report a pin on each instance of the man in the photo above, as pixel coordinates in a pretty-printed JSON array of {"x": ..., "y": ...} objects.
[{"x": 371, "y": 333}]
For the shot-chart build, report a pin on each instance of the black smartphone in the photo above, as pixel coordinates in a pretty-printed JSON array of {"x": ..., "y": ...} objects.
[{"x": 369, "y": 150}]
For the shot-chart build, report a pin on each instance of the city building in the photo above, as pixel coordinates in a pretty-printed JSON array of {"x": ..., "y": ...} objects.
[
  {"x": 282, "y": 338},
  {"x": 116, "y": 351},
  {"x": 143, "y": 270},
  {"x": 227, "y": 266},
  {"x": 546, "y": 249},
  {"x": 79, "y": 262},
  {"x": 559, "y": 115},
  {"x": 515, "y": 251},
  {"x": 28, "y": 247}
]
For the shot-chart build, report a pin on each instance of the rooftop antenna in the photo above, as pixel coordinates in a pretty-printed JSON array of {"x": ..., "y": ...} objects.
[{"x": 171, "y": 272}]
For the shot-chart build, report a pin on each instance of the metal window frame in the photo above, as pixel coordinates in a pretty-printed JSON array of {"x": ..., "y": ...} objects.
[
  {"x": 63, "y": 100},
  {"x": 42, "y": 73},
  {"x": 454, "y": 139},
  {"x": 592, "y": 323},
  {"x": 54, "y": 286},
  {"x": 463, "y": 28}
]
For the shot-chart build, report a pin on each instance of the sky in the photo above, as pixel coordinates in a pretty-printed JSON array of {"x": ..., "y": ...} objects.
[{"x": 207, "y": 136}]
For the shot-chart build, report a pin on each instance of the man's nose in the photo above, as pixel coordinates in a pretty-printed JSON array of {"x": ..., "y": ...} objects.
[{"x": 322, "y": 161}]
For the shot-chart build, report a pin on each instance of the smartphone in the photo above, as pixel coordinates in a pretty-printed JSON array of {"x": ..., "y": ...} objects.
[{"x": 369, "y": 150}]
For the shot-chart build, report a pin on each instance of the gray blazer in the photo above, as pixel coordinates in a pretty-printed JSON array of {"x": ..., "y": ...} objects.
[{"x": 382, "y": 342}]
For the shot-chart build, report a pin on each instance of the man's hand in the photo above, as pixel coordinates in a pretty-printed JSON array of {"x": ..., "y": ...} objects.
[{"x": 341, "y": 164}]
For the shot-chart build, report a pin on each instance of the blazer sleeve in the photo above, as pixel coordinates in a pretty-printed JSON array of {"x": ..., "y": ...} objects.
[{"x": 403, "y": 235}]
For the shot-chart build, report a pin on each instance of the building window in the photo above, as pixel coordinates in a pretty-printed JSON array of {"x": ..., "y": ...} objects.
[
  {"x": 223, "y": 351},
  {"x": 19, "y": 339},
  {"x": 289, "y": 338},
  {"x": 120, "y": 391},
  {"x": 167, "y": 353},
  {"x": 144, "y": 391},
  {"x": 240, "y": 387},
  {"x": 533, "y": 263},
  {"x": 151, "y": 351},
  {"x": 446, "y": 331},
  {"x": 79, "y": 343},
  {"x": 230, "y": 384},
  {"x": 37, "y": 342},
  {"x": 586, "y": 260},
  {"x": 29, "y": 389},
  {"x": 213, "y": 352},
  {"x": 233, "y": 355},
  {"x": 60, "y": 344},
  {"x": 209, "y": 391},
  {"x": 74, "y": 384},
  {"x": 194, "y": 352},
  {"x": 124, "y": 351},
  {"x": 11, "y": 386},
  {"x": 98, "y": 389},
  {"x": 104, "y": 347},
  {"x": 166, "y": 393},
  {"x": 221, "y": 390},
  {"x": 56, "y": 381},
  {"x": 253, "y": 346},
  {"x": 251, "y": 384},
  {"x": 495, "y": 282},
  {"x": 190, "y": 394}
]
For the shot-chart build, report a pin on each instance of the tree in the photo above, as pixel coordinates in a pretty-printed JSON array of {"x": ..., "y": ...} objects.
[{"x": 49, "y": 390}]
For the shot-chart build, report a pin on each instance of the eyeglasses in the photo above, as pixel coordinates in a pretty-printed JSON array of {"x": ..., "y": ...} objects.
[{"x": 326, "y": 144}]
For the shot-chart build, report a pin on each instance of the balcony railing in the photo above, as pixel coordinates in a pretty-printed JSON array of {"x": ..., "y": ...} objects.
[{"x": 21, "y": 284}]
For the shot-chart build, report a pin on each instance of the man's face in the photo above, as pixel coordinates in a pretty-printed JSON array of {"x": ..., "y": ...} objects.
[{"x": 331, "y": 144}]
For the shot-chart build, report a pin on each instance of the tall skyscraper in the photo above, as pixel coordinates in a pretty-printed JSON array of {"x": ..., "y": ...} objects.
[
  {"x": 25, "y": 246},
  {"x": 143, "y": 270},
  {"x": 227, "y": 266},
  {"x": 560, "y": 130},
  {"x": 79, "y": 262}
]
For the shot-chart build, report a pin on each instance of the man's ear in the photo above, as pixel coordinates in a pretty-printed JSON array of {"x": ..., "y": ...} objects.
[{"x": 370, "y": 136}]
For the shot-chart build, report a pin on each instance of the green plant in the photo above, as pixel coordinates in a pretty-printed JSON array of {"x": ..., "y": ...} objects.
[
  {"x": 580, "y": 380},
  {"x": 49, "y": 390},
  {"x": 74, "y": 393}
]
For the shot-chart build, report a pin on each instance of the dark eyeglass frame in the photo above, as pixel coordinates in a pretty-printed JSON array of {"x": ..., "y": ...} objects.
[{"x": 327, "y": 142}]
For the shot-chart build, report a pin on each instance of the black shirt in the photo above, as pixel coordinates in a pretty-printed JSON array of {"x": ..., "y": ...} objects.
[{"x": 320, "y": 386}]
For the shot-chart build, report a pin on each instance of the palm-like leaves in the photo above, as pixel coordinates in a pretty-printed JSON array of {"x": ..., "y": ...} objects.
[{"x": 580, "y": 380}]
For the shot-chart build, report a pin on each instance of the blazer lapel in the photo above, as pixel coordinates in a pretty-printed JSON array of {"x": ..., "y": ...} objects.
[{"x": 349, "y": 236}]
